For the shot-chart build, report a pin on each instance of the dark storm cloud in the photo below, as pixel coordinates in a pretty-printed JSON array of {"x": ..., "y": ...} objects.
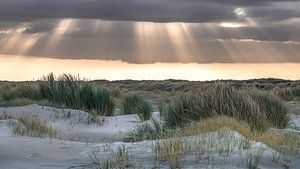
[
  {"x": 107, "y": 29},
  {"x": 137, "y": 10},
  {"x": 40, "y": 26},
  {"x": 142, "y": 10},
  {"x": 128, "y": 41},
  {"x": 88, "y": 28}
]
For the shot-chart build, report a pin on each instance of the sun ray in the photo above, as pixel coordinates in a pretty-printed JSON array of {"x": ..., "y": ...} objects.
[
  {"x": 270, "y": 52},
  {"x": 56, "y": 36},
  {"x": 13, "y": 38},
  {"x": 240, "y": 49},
  {"x": 147, "y": 37},
  {"x": 180, "y": 41}
]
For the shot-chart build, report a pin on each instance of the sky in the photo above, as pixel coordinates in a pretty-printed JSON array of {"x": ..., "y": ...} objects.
[{"x": 151, "y": 32}]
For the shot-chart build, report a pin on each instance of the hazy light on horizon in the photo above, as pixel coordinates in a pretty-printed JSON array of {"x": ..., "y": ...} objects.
[{"x": 19, "y": 68}]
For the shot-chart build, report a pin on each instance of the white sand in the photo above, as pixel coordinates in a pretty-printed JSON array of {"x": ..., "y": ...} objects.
[
  {"x": 73, "y": 124},
  {"x": 36, "y": 153}
]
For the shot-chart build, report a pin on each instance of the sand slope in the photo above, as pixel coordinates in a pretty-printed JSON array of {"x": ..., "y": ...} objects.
[{"x": 44, "y": 153}]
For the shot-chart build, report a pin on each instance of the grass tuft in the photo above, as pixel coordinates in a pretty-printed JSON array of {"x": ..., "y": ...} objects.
[
  {"x": 133, "y": 104},
  {"x": 149, "y": 130},
  {"x": 118, "y": 158},
  {"x": 70, "y": 92},
  {"x": 275, "y": 110},
  {"x": 258, "y": 109},
  {"x": 30, "y": 126}
]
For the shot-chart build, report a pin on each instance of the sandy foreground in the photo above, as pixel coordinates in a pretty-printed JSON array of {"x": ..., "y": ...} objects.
[{"x": 80, "y": 138}]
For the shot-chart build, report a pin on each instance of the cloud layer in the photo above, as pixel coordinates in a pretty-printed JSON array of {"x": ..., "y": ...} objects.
[
  {"x": 149, "y": 10},
  {"x": 147, "y": 42},
  {"x": 148, "y": 31}
]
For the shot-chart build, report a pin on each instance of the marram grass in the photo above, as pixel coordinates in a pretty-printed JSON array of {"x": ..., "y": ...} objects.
[
  {"x": 70, "y": 92},
  {"x": 28, "y": 125},
  {"x": 134, "y": 104},
  {"x": 258, "y": 109}
]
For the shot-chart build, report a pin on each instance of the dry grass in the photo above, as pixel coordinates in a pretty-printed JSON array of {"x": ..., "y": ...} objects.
[
  {"x": 215, "y": 140},
  {"x": 149, "y": 130},
  {"x": 170, "y": 150},
  {"x": 30, "y": 126},
  {"x": 117, "y": 159},
  {"x": 288, "y": 144},
  {"x": 203, "y": 148},
  {"x": 270, "y": 138},
  {"x": 253, "y": 160}
]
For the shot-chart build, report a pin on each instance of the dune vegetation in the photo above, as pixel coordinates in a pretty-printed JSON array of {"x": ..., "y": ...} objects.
[
  {"x": 30, "y": 126},
  {"x": 134, "y": 104},
  {"x": 257, "y": 110}
]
